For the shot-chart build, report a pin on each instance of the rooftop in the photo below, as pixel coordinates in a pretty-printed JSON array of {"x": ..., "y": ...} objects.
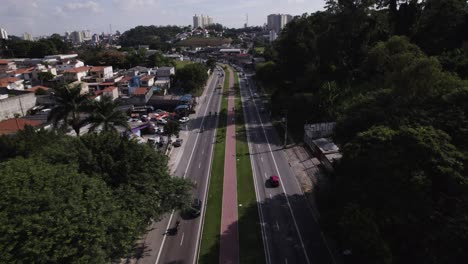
[
  {"x": 4, "y": 62},
  {"x": 79, "y": 69},
  {"x": 98, "y": 68},
  {"x": 35, "y": 88},
  {"x": 140, "y": 91},
  {"x": 146, "y": 77},
  {"x": 11, "y": 126}
]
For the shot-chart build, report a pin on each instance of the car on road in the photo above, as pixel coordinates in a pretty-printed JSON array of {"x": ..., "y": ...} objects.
[
  {"x": 195, "y": 208},
  {"x": 178, "y": 142},
  {"x": 274, "y": 181},
  {"x": 184, "y": 119}
]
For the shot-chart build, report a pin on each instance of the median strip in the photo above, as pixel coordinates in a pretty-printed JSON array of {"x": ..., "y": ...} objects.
[{"x": 209, "y": 249}]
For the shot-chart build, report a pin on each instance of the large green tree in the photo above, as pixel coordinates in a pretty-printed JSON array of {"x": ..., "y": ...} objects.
[
  {"x": 192, "y": 77},
  {"x": 105, "y": 115},
  {"x": 69, "y": 108}
]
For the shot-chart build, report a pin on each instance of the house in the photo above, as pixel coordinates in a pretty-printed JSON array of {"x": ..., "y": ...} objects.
[
  {"x": 12, "y": 83},
  {"x": 75, "y": 74},
  {"x": 165, "y": 72},
  {"x": 12, "y": 126},
  {"x": 23, "y": 73},
  {"x": 112, "y": 92},
  {"x": 147, "y": 80},
  {"x": 7, "y": 66},
  {"x": 163, "y": 83},
  {"x": 37, "y": 88},
  {"x": 124, "y": 84},
  {"x": 84, "y": 86},
  {"x": 68, "y": 64},
  {"x": 317, "y": 137},
  {"x": 139, "y": 96},
  {"x": 101, "y": 73},
  {"x": 137, "y": 70},
  {"x": 177, "y": 57}
]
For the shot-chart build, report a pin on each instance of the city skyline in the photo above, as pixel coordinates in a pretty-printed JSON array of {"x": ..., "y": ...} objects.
[{"x": 45, "y": 17}]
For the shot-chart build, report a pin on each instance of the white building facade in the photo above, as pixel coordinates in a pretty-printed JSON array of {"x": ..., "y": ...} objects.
[
  {"x": 276, "y": 22},
  {"x": 3, "y": 34}
]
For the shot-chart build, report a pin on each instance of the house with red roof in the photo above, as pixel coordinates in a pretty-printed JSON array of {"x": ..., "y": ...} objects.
[
  {"x": 101, "y": 73},
  {"x": 76, "y": 74},
  {"x": 7, "y": 66},
  {"x": 12, "y": 83},
  {"x": 12, "y": 126}
]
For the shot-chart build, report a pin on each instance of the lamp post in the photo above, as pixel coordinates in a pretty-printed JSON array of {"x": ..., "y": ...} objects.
[{"x": 285, "y": 121}]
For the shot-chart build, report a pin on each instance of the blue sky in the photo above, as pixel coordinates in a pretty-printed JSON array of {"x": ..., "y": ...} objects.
[{"x": 44, "y": 17}]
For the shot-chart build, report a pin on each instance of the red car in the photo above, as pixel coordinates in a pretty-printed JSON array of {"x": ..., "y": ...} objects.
[{"x": 274, "y": 181}]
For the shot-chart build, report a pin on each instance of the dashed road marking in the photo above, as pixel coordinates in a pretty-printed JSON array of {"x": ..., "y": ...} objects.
[{"x": 182, "y": 240}]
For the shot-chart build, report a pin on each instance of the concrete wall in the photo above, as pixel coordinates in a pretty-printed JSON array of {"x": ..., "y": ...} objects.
[{"x": 18, "y": 104}]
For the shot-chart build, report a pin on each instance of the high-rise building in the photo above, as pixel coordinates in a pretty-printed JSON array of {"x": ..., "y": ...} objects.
[
  {"x": 276, "y": 22},
  {"x": 86, "y": 35},
  {"x": 76, "y": 37},
  {"x": 273, "y": 35},
  {"x": 202, "y": 21},
  {"x": 3, "y": 34},
  {"x": 27, "y": 36}
]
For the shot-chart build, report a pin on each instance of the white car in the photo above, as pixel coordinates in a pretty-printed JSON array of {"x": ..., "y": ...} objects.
[
  {"x": 161, "y": 121},
  {"x": 184, "y": 119}
]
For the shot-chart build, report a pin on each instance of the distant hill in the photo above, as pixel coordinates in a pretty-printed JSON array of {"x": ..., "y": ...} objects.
[{"x": 154, "y": 36}]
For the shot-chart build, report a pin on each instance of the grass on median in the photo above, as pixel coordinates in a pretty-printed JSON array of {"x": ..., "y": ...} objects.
[
  {"x": 209, "y": 249},
  {"x": 251, "y": 243}
]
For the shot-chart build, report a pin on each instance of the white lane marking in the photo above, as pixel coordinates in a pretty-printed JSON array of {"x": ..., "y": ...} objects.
[
  {"x": 182, "y": 240},
  {"x": 202, "y": 221},
  {"x": 164, "y": 238},
  {"x": 203, "y": 152},
  {"x": 282, "y": 186},
  {"x": 199, "y": 165},
  {"x": 277, "y": 225},
  {"x": 261, "y": 158},
  {"x": 285, "y": 261},
  {"x": 185, "y": 173},
  {"x": 266, "y": 247},
  {"x": 266, "y": 175},
  {"x": 270, "y": 195}
]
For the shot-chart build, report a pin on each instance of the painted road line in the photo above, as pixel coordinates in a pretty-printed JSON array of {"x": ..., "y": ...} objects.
[{"x": 182, "y": 240}]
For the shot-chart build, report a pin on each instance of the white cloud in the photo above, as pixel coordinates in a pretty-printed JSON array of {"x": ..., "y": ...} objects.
[
  {"x": 135, "y": 4},
  {"x": 90, "y": 6}
]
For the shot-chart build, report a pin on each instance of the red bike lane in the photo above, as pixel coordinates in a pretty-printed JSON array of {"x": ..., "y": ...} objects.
[{"x": 229, "y": 240}]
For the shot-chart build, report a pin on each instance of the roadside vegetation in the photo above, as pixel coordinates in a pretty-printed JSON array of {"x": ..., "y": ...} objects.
[
  {"x": 209, "y": 248},
  {"x": 394, "y": 80},
  {"x": 250, "y": 239},
  {"x": 80, "y": 199}
]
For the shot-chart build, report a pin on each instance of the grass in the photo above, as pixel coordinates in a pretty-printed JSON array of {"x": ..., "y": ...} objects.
[
  {"x": 209, "y": 249},
  {"x": 250, "y": 241},
  {"x": 181, "y": 64},
  {"x": 259, "y": 50}
]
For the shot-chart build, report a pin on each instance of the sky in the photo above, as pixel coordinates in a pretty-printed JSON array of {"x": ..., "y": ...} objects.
[{"x": 44, "y": 17}]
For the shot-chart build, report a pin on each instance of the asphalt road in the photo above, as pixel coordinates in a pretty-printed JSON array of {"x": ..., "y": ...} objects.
[
  {"x": 195, "y": 164},
  {"x": 289, "y": 228}
]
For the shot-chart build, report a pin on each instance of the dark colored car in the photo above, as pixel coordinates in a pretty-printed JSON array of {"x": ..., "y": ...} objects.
[
  {"x": 195, "y": 208},
  {"x": 178, "y": 142},
  {"x": 274, "y": 181}
]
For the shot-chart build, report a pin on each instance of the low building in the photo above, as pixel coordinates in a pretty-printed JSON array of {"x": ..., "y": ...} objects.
[
  {"x": 165, "y": 72},
  {"x": 68, "y": 64},
  {"x": 101, "y": 73},
  {"x": 7, "y": 66},
  {"x": 12, "y": 83},
  {"x": 112, "y": 92},
  {"x": 75, "y": 74},
  {"x": 147, "y": 80},
  {"x": 317, "y": 137},
  {"x": 178, "y": 57},
  {"x": 170, "y": 102},
  {"x": 12, "y": 126},
  {"x": 139, "y": 95}
]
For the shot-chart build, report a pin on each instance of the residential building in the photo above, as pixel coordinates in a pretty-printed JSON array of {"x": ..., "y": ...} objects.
[
  {"x": 101, "y": 73},
  {"x": 27, "y": 36},
  {"x": 165, "y": 72},
  {"x": 86, "y": 35},
  {"x": 13, "y": 125},
  {"x": 77, "y": 37},
  {"x": 23, "y": 73},
  {"x": 95, "y": 38},
  {"x": 61, "y": 56},
  {"x": 177, "y": 57},
  {"x": 276, "y": 22},
  {"x": 75, "y": 74},
  {"x": 12, "y": 83},
  {"x": 202, "y": 21},
  {"x": 3, "y": 34},
  {"x": 67, "y": 64},
  {"x": 7, "y": 66},
  {"x": 140, "y": 96},
  {"x": 147, "y": 80},
  {"x": 273, "y": 36}
]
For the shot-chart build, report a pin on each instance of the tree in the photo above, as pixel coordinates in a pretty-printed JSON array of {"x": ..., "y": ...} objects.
[
  {"x": 69, "y": 109},
  {"x": 172, "y": 128},
  {"x": 192, "y": 77},
  {"x": 60, "y": 216},
  {"x": 45, "y": 76},
  {"x": 114, "y": 58},
  {"x": 211, "y": 63},
  {"x": 158, "y": 60},
  {"x": 104, "y": 114}
]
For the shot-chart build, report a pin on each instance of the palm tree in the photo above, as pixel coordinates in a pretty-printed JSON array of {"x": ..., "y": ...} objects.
[
  {"x": 104, "y": 114},
  {"x": 70, "y": 105}
]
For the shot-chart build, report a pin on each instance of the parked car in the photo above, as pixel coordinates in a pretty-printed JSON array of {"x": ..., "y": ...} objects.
[
  {"x": 178, "y": 142},
  {"x": 274, "y": 181},
  {"x": 161, "y": 121},
  {"x": 184, "y": 119}
]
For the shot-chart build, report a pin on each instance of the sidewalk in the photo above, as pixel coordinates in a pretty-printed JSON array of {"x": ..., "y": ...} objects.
[{"x": 229, "y": 241}]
